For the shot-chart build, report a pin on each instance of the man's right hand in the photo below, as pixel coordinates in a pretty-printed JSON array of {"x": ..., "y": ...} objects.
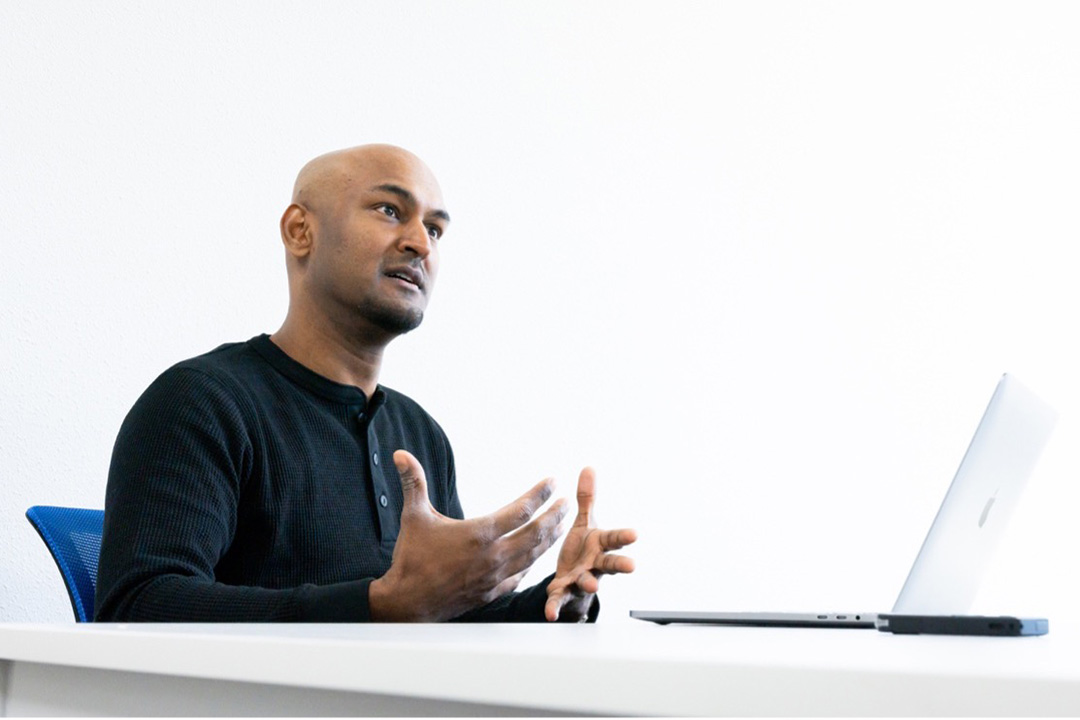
[{"x": 444, "y": 567}]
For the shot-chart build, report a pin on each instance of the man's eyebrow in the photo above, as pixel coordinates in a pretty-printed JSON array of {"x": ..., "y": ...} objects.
[{"x": 409, "y": 198}]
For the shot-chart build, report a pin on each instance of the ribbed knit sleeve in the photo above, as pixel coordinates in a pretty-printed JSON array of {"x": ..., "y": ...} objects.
[{"x": 175, "y": 480}]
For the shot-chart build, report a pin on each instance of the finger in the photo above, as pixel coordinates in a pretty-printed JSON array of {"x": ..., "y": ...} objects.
[
  {"x": 616, "y": 539},
  {"x": 588, "y": 583},
  {"x": 586, "y": 495},
  {"x": 556, "y": 599},
  {"x": 613, "y": 564},
  {"x": 523, "y": 546},
  {"x": 413, "y": 480},
  {"x": 517, "y": 513}
]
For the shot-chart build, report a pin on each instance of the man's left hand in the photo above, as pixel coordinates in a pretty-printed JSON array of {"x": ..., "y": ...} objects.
[{"x": 585, "y": 557}]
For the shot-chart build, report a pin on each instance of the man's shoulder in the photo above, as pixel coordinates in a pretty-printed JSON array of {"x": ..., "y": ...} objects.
[
  {"x": 399, "y": 400},
  {"x": 401, "y": 405},
  {"x": 211, "y": 390},
  {"x": 229, "y": 368},
  {"x": 226, "y": 358}
]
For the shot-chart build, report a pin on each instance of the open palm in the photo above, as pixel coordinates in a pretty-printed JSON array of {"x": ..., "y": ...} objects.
[{"x": 585, "y": 556}]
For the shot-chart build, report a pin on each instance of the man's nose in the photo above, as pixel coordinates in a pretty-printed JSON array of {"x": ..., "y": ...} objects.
[{"x": 415, "y": 238}]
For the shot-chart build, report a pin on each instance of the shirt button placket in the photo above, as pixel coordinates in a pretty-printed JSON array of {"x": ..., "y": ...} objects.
[{"x": 382, "y": 499}]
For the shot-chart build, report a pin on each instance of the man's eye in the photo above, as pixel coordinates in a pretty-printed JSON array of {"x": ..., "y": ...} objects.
[
  {"x": 389, "y": 210},
  {"x": 434, "y": 232}
]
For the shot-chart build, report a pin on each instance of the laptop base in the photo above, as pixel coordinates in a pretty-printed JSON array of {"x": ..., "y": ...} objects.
[{"x": 760, "y": 619}]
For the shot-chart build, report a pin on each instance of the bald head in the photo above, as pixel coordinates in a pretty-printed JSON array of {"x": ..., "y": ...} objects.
[{"x": 323, "y": 181}]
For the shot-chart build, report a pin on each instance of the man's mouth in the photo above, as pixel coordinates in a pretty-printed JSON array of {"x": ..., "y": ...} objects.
[{"x": 408, "y": 275}]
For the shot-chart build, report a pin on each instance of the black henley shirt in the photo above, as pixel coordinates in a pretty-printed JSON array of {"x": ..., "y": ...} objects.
[{"x": 245, "y": 487}]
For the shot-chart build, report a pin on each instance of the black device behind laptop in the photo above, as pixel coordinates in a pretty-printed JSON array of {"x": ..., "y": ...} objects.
[{"x": 961, "y": 625}]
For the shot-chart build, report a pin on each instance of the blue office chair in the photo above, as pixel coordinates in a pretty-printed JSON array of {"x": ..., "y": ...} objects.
[{"x": 73, "y": 536}]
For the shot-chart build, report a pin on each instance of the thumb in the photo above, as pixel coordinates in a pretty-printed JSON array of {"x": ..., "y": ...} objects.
[{"x": 413, "y": 480}]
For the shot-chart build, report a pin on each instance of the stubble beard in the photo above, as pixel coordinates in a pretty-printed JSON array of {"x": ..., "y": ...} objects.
[{"x": 392, "y": 320}]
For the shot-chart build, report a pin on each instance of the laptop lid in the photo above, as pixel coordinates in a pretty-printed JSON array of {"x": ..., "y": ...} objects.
[{"x": 949, "y": 568}]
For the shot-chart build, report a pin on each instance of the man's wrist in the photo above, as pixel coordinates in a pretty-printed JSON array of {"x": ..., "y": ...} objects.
[{"x": 379, "y": 603}]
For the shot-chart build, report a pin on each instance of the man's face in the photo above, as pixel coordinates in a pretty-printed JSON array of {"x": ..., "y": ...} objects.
[{"x": 375, "y": 255}]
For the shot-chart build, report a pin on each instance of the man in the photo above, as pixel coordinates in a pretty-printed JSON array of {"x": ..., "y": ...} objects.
[{"x": 251, "y": 483}]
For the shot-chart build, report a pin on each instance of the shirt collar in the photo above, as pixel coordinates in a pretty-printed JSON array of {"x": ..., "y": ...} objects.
[{"x": 313, "y": 381}]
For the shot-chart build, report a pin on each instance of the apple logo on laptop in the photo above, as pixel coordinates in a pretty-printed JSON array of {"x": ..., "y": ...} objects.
[{"x": 986, "y": 510}]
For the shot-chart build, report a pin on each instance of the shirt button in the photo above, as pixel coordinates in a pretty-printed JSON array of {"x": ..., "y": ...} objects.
[
  {"x": 383, "y": 501},
  {"x": 360, "y": 416},
  {"x": 375, "y": 458}
]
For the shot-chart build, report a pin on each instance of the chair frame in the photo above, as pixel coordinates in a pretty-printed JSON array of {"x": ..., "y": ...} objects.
[{"x": 74, "y": 569}]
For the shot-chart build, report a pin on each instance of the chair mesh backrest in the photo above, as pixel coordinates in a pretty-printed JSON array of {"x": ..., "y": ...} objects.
[{"x": 73, "y": 536}]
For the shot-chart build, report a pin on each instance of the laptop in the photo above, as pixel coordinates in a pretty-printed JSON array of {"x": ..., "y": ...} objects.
[{"x": 969, "y": 524}]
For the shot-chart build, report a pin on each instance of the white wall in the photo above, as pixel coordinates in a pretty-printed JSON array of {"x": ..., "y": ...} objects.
[{"x": 759, "y": 263}]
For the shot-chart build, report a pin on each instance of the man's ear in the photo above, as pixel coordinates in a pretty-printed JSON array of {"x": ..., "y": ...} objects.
[{"x": 296, "y": 230}]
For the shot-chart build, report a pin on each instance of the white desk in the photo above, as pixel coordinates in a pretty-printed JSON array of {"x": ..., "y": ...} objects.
[{"x": 617, "y": 667}]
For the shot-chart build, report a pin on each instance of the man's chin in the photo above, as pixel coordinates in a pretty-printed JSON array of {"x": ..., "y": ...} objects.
[
  {"x": 395, "y": 321},
  {"x": 405, "y": 324}
]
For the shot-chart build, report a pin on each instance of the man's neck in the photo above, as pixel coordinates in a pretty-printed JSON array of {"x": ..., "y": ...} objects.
[{"x": 320, "y": 349}]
